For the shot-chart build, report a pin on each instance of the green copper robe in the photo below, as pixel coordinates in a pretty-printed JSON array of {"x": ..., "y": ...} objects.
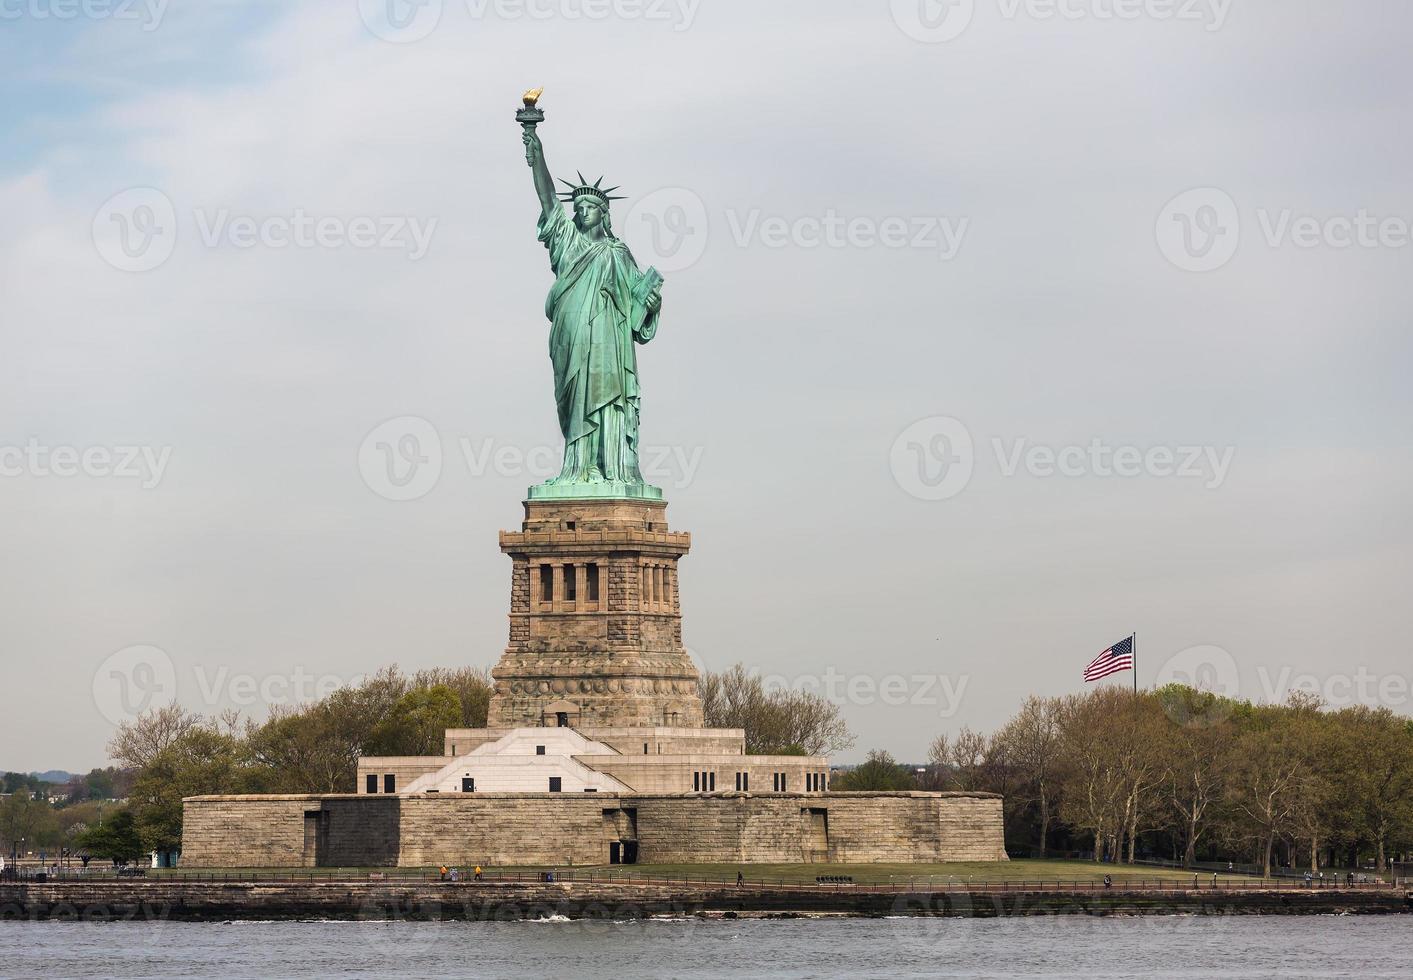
[{"x": 598, "y": 308}]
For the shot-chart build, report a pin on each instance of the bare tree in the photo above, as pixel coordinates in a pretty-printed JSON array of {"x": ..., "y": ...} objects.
[
  {"x": 787, "y": 721},
  {"x": 136, "y": 743},
  {"x": 1031, "y": 744}
]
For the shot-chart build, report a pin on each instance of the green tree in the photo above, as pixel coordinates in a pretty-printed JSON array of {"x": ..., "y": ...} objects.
[
  {"x": 473, "y": 687},
  {"x": 880, "y": 774},
  {"x": 200, "y": 762},
  {"x": 29, "y": 819},
  {"x": 116, "y": 838},
  {"x": 417, "y": 723}
]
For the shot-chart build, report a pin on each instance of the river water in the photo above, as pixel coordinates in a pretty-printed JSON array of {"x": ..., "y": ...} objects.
[{"x": 1087, "y": 948}]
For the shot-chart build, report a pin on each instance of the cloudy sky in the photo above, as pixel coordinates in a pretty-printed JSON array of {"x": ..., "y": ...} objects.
[{"x": 992, "y": 334}]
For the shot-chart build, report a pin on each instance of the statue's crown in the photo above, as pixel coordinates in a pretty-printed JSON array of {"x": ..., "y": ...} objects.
[{"x": 586, "y": 189}]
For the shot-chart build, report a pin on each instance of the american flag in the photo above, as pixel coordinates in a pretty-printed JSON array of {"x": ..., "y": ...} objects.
[{"x": 1114, "y": 660}]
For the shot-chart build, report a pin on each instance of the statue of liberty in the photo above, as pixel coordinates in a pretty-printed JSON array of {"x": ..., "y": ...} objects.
[{"x": 600, "y": 306}]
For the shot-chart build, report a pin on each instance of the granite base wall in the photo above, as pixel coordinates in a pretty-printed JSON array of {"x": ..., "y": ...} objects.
[{"x": 562, "y": 829}]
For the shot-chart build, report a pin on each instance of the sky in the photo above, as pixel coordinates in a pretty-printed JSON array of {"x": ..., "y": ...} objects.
[{"x": 993, "y": 333}]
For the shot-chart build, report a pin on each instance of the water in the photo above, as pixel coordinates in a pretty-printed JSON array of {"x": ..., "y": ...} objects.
[{"x": 1087, "y": 948}]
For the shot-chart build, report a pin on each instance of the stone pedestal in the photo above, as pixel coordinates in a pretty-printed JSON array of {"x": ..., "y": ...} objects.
[{"x": 595, "y": 621}]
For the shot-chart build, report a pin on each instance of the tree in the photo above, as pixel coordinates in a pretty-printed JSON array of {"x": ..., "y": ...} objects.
[
  {"x": 1031, "y": 745},
  {"x": 201, "y": 762},
  {"x": 136, "y": 743},
  {"x": 1270, "y": 775},
  {"x": 473, "y": 687},
  {"x": 417, "y": 723},
  {"x": 1091, "y": 789},
  {"x": 1379, "y": 772},
  {"x": 775, "y": 722},
  {"x": 881, "y": 773},
  {"x": 26, "y": 818},
  {"x": 1196, "y": 763},
  {"x": 116, "y": 838}
]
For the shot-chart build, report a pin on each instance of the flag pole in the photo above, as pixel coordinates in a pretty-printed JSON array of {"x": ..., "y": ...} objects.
[{"x": 1135, "y": 663}]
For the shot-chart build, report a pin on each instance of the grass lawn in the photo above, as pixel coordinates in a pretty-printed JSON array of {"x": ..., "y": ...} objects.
[
  {"x": 1018, "y": 870},
  {"x": 1008, "y": 871}
]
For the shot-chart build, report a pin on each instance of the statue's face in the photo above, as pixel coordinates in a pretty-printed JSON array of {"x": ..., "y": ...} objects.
[{"x": 589, "y": 213}]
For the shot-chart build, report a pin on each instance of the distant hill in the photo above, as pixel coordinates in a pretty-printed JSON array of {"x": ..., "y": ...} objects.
[{"x": 58, "y": 776}]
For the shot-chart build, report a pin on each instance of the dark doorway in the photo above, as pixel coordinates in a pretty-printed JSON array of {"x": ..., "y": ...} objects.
[
  {"x": 468, "y": 785},
  {"x": 630, "y": 852},
  {"x": 614, "y": 852},
  {"x": 561, "y": 718}
]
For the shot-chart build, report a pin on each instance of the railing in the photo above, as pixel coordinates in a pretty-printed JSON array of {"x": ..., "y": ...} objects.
[{"x": 919, "y": 884}]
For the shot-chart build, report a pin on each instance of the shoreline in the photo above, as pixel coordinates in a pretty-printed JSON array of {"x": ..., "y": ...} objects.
[{"x": 364, "y": 900}]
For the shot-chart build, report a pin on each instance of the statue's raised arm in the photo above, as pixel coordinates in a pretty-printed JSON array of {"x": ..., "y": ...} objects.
[{"x": 530, "y": 117}]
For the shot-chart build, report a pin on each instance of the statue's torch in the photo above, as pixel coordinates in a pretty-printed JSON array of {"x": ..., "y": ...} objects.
[{"x": 530, "y": 116}]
